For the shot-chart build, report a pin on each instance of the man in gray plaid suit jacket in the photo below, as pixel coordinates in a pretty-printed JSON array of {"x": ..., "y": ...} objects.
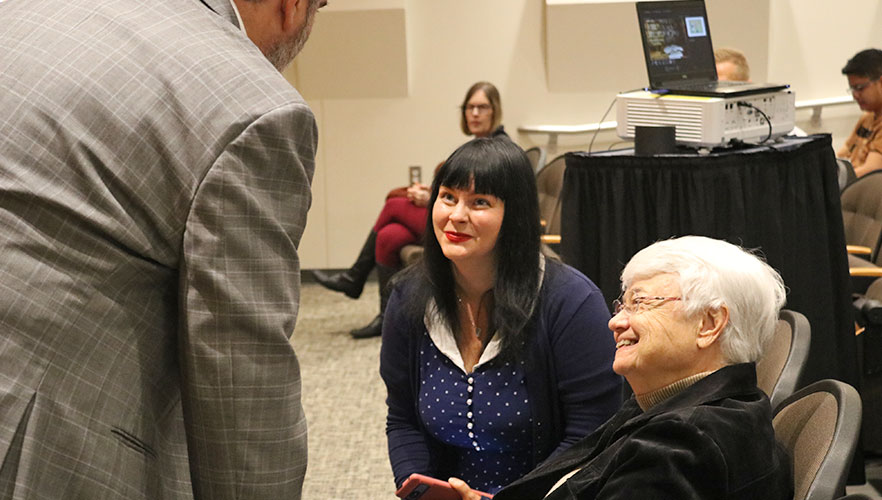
[{"x": 154, "y": 184}]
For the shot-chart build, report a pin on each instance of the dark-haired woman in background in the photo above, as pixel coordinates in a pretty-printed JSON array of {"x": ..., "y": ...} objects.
[
  {"x": 494, "y": 356},
  {"x": 402, "y": 220}
]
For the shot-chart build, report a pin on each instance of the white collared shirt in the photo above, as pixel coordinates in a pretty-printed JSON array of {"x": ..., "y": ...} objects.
[{"x": 445, "y": 341}]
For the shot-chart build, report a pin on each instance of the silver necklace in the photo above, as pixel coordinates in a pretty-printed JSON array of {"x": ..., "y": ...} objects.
[{"x": 471, "y": 316}]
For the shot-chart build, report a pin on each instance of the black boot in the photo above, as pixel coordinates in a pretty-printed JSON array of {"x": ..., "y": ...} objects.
[
  {"x": 372, "y": 329},
  {"x": 375, "y": 327},
  {"x": 351, "y": 281}
]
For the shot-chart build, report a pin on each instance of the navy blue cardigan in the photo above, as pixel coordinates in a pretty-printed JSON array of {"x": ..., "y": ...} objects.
[{"x": 572, "y": 388}]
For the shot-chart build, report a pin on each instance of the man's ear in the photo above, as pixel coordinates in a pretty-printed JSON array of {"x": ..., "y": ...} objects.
[
  {"x": 291, "y": 12},
  {"x": 712, "y": 323}
]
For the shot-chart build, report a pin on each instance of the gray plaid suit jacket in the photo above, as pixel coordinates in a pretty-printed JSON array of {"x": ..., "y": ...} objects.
[{"x": 154, "y": 184}]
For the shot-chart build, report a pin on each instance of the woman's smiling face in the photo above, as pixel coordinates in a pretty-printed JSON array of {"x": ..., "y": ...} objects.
[{"x": 467, "y": 224}]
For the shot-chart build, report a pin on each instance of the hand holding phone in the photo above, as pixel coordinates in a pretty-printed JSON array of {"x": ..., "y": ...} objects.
[{"x": 420, "y": 487}]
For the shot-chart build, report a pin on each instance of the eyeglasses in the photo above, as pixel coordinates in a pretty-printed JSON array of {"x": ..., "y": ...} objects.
[
  {"x": 856, "y": 89},
  {"x": 480, "y": 108},
  {"x": 640, "y": 304}
]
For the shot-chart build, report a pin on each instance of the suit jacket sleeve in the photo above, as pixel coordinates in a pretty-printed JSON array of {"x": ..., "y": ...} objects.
[{"x": 239, "y": 294}]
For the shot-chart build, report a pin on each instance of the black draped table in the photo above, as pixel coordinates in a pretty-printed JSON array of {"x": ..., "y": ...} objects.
[{"x": 782, "y": 199}]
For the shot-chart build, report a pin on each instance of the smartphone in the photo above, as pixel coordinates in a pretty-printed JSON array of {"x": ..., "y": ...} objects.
[{"x": 420, "y": 487}]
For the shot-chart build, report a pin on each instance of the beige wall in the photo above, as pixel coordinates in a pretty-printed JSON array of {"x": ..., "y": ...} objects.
[{"x": 385, "y": 77}]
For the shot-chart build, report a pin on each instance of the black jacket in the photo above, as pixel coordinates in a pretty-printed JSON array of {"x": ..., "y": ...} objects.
[{"x": 714, "y": 441}]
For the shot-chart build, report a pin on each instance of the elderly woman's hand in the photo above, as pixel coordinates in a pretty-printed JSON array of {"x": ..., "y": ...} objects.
[{"x": 463, "y": 489}]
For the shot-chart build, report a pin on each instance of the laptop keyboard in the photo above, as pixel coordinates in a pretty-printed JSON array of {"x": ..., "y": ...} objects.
[{"x": 706, "y": 85}]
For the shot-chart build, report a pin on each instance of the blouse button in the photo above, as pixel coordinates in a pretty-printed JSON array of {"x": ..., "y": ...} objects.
[
  {"x": 475, "y": 444},
  {"x": 471, "y": 388},
  {"x": 469, "y": 414},
  {"x": 471, "y": 434},
  {"x": 470, "y": 425},
  {"x": 471, "y": 380},
  {"x": 469, "y": 401}
]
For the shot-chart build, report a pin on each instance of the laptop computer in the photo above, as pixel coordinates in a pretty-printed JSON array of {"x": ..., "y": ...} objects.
[{"x": 679, "y": 54}]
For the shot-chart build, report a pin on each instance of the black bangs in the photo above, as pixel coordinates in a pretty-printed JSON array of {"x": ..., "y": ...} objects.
[{"x": 485, "y": 162}]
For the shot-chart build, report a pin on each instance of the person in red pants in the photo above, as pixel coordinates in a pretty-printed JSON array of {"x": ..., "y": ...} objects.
[{"x": 402, "y": 220}]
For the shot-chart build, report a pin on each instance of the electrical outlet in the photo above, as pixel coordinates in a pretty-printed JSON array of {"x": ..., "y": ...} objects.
[{"x": 416, "y": 174}]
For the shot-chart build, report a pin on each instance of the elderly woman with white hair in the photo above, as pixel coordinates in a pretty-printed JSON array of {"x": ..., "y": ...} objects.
[{"x": 693, "y": 318}]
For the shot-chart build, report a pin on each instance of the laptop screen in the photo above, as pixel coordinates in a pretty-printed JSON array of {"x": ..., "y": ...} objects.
[{"x": 676, "y": 42}]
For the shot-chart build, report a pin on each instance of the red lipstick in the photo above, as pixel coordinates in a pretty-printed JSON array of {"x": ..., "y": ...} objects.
[{"x": 457, "y": 237}]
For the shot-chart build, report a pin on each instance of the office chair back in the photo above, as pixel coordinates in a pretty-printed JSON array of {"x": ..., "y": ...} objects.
[
  {"x": 862, "y": 213},
  {"x": 846, "y": 173},
  {"x": 536, "y": 155},
  {"x": 549, "y": 182},
  {"x": 868, "y": 313},
  {"x": 819, "y": 427},
  {"x": 781, "y": 366}
]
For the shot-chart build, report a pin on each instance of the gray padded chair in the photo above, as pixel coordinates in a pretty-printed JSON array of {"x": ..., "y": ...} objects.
[
  {"x": 549, "y": 182},
  {"x": 846, "y": 173},
  {"x": 536, "y": 155},
  {"x": 868, "y": 314},
  {"x": 410, "y": 254},
  {"x": 780, "y": 368},
  {"x": 819, "y": 427},
  {"x": 862, "y": 219},
  {"x": 862, "y": 216}
]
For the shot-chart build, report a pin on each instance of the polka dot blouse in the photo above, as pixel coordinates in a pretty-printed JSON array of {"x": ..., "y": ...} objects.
[{"x": 483, "y": 416}]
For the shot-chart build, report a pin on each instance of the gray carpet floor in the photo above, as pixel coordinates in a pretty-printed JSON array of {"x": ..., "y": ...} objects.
[{"x": 343, "y": 397}]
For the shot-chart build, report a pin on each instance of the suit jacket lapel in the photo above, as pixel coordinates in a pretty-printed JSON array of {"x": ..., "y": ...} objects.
[{"x": 224, "y": 9}]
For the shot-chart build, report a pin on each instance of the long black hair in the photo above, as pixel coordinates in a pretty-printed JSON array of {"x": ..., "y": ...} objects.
[{"x": 498, "y": 167}]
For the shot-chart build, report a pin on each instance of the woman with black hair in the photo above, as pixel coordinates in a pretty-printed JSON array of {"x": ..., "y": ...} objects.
[
  {"x": 494, "y": 356},
  {"x": 400, "y": 222}
]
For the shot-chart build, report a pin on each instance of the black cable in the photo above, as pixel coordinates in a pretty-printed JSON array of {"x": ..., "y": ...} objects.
[
  {"x": 742, "y": 104},
  {"x": 597, "y": 130},
  {"x": 559, "y": 203},
  {"x": 611, "y": 146}
]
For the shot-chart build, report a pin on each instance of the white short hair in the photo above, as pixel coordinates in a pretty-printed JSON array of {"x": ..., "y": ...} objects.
[{"x": 713, "y": 273}]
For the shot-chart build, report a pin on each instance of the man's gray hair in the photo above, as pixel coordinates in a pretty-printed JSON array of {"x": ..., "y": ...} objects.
[{"x": 713, "y": 273}]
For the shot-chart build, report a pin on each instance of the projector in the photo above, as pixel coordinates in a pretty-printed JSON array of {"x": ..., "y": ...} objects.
[{"x": 706, "y": 122}]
